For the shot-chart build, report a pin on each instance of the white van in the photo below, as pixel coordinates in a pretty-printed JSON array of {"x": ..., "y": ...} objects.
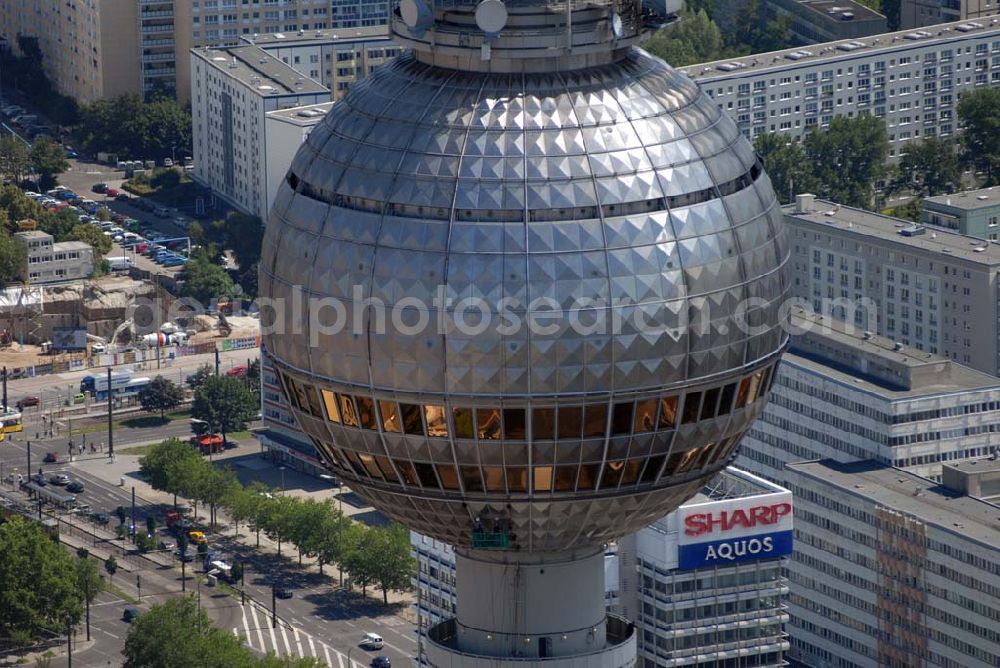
[
  {"x": 122, "y": 263},
  {"x": 372, "y": 641}
]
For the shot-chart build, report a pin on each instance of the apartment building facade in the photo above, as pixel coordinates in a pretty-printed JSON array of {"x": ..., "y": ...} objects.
[
  {"x": 891, "y": 569},
  {"x": 334, "y": 58},
  {"x": 972, "y": 212},
  {"x": 89, "y": 47},
  {"x": 933, "y": 290},
  {"x": 232, "y": 92},
  {"x": 690, "y": 605},
  {"x": 911, "y": 79},
  {"x": 921, "y": 13},
  {"x": 99, "y": 48},
  {"x": 844, "y": 394}
]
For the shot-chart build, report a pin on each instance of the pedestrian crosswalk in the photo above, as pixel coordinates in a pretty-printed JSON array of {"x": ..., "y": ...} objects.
[{"x": 259, "y": 634}]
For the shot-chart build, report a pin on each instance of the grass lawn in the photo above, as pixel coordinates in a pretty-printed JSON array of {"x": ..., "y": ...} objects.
[{"x": 140, "y": 421}]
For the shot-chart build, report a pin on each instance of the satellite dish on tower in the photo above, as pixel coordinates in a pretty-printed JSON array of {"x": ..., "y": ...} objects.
[
  {"x": 491, "y": 16},
  {"x": 415, "y": 14}
]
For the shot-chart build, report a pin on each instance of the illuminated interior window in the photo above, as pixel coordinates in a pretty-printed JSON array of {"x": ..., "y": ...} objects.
[
  {"x": 366, "y": 413},
  {"x": 437, "y": 421},
  {"x": 542, "y": 478},
  {"x": 570, "y": 421},
  {"x": 652, "y": 470},
  {"x": 621, "y": 418},
  {"x": 514, "y": 426},
  {"x": 588, "y": 476},
  {"x": 471, "y": 479},
  {"x": 448, "y": 476},
  {"x": 348, "y": 414},
  {"x": 406, "y": 471},
  {"x": 488, "y": 423},
  {"x": 386, "y": 468},
  {"x": 462, "y": 420},
  {"x": 743, "y": 393},
  {"x": 543, "y": 424},
  {"x": 645, "y": 416},
  {"x": 633, "y": 468},
  {"x": 754, "y": 386},
  {"x": 332, "y": 409},
  {"x": 595, "y": 420},
  {"x": 369, "y": 463},
  {"x": 668, "y": 413},
  {"x": 692, "y": 402},
  {"x": 494, "y": 479},
  {"x": 726, "y": 399},
  {"x": 612, "y": 474},
  {"x": 389, "y": 416},
  {"x": 313, "y": 398},
  {"x": 425, "y": 473},
  {"x": 709, "y": 402},
  {"x": 565, "y": 478},
  {"x": 517, "y": 478},
  {"x": 412, "y": 421}
]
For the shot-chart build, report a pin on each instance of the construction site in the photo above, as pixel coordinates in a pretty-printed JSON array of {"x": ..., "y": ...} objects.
[{"x": 67, "y": 325}]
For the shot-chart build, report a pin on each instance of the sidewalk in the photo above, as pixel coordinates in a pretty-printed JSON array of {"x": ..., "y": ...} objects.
[{"x": 250, "y": 465}]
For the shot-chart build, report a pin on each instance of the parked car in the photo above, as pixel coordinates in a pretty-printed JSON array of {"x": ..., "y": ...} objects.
[
  {"x": 39, "y": 479},
  {"x": 122, "y": 197},
  {"x": 59, "y": 479},
  {"x": 197, "y": 537},
  {"x": 100, "y": 188},
  {"x": 76, "y": 487},
  {"x": 381, "y": 662},
  {"x": 51, "y": 458},
  {"x": 112, "y": 192},
  {"x": 130, "y": 614},
  {"x": 186, "y": 557},
  {"x": 100, "y": 518}
]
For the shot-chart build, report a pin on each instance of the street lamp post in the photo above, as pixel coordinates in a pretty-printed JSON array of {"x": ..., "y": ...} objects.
[
  {"x": 336, "y": 481},
  {"x": 282, "y": 469}
]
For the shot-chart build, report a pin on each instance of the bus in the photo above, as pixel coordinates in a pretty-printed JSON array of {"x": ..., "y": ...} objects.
[
  {"x": 97, "y": 384},
  {"x": 10, "y": 422},
  {"x": 134, "y": 387}
]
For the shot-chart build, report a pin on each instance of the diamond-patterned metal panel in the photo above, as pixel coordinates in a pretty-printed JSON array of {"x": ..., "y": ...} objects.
[{"x": 585, "y": 210}]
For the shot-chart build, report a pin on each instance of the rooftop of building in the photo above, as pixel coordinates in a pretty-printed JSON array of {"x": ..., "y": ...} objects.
[
  {"x": 257, "y": 69},
  {"x": 33, "y": 234},
  {"x": 949, "y": 245},
  {"x": 71, "y": 245},
  {"x": 967, "y": 200},
  {"x": 841, "y": 11},
  {"x": 945, "y": 34},
  {"x": 921, "y": 498},
  {"x": 733, "y": 483},
  {"x": 305, "y": 116},
  {"x": 875, "y": 364},
  {"x": 270, "y": 40},
  {"x": 976, "y": 465}
]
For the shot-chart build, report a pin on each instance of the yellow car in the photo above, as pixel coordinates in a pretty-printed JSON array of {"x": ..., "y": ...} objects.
[{"x": 197, "y": 537}]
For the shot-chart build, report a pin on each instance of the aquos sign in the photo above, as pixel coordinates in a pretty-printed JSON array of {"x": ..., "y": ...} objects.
[{"x": 724, "y": 532}]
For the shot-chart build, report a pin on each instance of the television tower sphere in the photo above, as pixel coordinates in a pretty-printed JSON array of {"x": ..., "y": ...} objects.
[{"x": 526, "y": 286}]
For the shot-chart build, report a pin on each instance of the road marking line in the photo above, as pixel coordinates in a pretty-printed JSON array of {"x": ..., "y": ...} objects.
[
  {"x": 326, "y": 653},
  {"x": 274, "y": 638},
  {"x": 246, "y": 626},
  {"x": 284, "y": 637},
  {"x": 256, "y": 625},
  {"x": 298, "y": 642},
  {"x": 312, "y": 646}
]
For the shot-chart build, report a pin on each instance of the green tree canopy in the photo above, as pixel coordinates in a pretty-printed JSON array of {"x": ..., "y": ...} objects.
[
  {"x": 203, "y": 373},
  {"x": 90, "y": 234},
  {"x": 392, "y": 565},
  {"x": 786, "y": 164},
  {"x": 15, "y": 159},
  {"x": 131, "y": 128},
  {"x": 693, "y": 39},
  {"x": 848, "y": 159},
  {"x": 206, "y": 280},
  {"x": 38, "y": 585},
  {"x": 178, "y": 633},
  {"x": 48, "y": 160},
  {"x": 225, "y": 403},
  {"x": 929, "y": 167},
  {"x": 161, "y": 395},
  {"x": 979, "y": 112},
  {"x": 163, "y": 463},
  {"x": 13, "y": 257}
]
